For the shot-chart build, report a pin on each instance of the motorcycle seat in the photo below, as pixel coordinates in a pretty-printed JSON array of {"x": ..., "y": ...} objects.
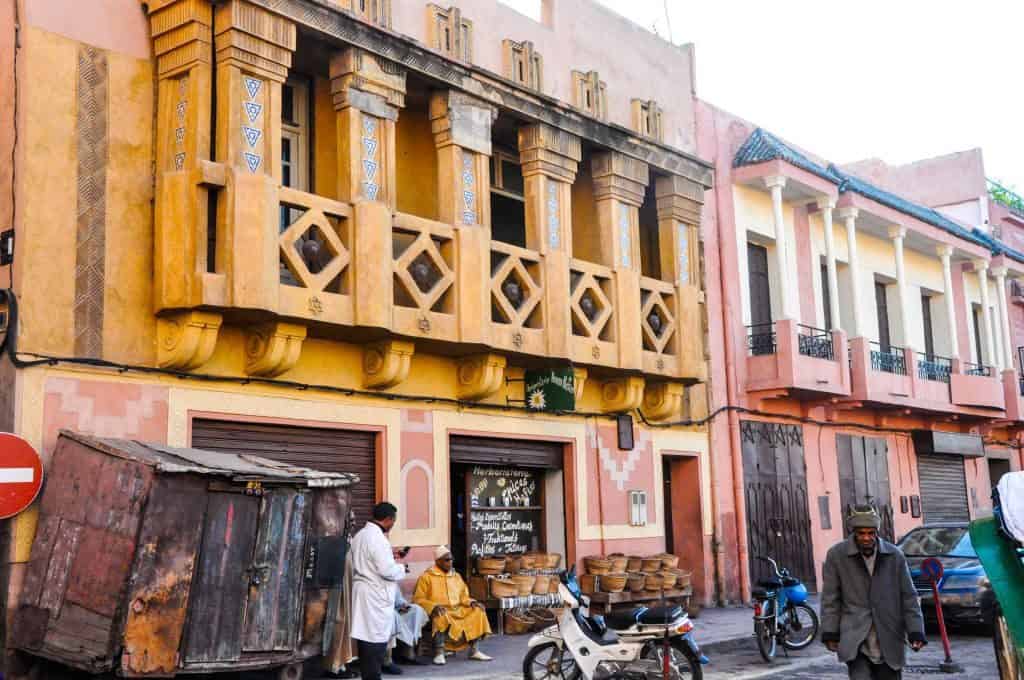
[
  {"x": 770, "y": 583},
  {"x": 789, "y": 581},
  {"x": 621, "y": 620},
  {"x": 662, "y": 615},
  {"x": 760, "y": 594},
  {"x": 603, "y": 637}
]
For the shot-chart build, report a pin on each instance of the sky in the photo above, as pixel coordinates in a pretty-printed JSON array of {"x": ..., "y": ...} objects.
[{"x": 899, "y": 80}]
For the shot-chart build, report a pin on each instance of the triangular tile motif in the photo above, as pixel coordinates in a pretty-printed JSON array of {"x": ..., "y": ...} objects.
[
  {"x": 369, "y": 169},
  {"x": 180, "y": 109},
  {"x": 369, "y": 147},
  {"x": 252, "y": 86},
  {"x": 468, "y": 198},
  {"x": 179, "y": 135},
  {"x": 252, "y": 160},
  {"x": 370, "y": 190},
  {"x": 468, "y": 179},
  {"x": 369, "y": 126},
  {"x": 179, "y": 161},
  {"x": 252, "y": 109},
  {"x": 469, "y": 217},
  {"x": 252, "y": 135}
]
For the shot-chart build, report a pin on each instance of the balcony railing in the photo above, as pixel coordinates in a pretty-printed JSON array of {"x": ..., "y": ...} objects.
[
  {"x": 978, "y": 369},
  {"x": 888, "y": 359},
  {"x": 932, "y": 367},
  {"x": 761, "y": 339},
  {"x": 815, "y": 343}
]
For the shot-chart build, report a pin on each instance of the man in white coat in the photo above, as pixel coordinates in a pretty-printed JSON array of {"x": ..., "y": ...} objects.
[{"x": 375, "y": 576}]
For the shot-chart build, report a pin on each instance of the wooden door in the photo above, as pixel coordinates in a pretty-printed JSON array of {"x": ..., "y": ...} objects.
[
  {"x": 826, "y": 299},
  {"x": 221, "y": 585},
  {"x": 760, "y": 286},
  {"x": 864, "y": 478},
  {"x": 775, "y": 483},
  {"x": 882, "y": 311},
  {"x": 275, "y": 589},
  {"x": 929, "y": 335}
]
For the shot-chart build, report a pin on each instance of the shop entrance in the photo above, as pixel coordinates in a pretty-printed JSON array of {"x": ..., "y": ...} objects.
[
  {"x": 684, "y": 528},
  {"x": 508, "y": 496}
]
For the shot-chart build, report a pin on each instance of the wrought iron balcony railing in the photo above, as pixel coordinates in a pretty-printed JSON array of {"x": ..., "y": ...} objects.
[
  {"x": 978, "y": 369},
  {"x": 815, "y": 342},
  {"x": 932, "y": 367},
  {"x": 888, "y": 359},
  {"x": 761, "y": 339}
]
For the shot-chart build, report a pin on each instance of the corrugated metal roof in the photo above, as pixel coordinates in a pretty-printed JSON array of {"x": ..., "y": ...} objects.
[
  {"x": 240, "y": 467},
  {"x": 762, "y": 146}
]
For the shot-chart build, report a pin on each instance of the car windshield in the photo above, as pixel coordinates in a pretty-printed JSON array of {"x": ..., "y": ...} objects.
[{"x": 925, "y": 541}]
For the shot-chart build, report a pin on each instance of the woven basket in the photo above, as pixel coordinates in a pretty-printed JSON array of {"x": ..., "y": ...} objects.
[
  {"x": 513, "y": 563},
  {"x": 619, "y": 563},
  {"x": 653, "y": 582},
  {"x": 501, "y": 587},
  {"x": 683, "y": 578},
  {"x": 669, "y": 561},
  {"x": 634, "y": 563},
  {"x": 516, "y": 623},
  {"x": 554, "y": 559},
  {"x": 524, "y": 582},
  {"x": 529, "y": 561},
  {"x": 542, "y": 618},
  {"x": 542, "y": 584},
  {"x": 668, "y": 579},
  {"x": 651, "y": 565},
  {"x": 635, "y": 582},
  {"x": 553, "y": 586},
  {"x": 597, "y": 565},
  {"x": 490, "y": 566},
  {"x": 614, "y": 583}
]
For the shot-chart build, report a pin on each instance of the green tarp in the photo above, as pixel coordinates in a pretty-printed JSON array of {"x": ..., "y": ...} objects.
[{"x": 1005, "y": 569}]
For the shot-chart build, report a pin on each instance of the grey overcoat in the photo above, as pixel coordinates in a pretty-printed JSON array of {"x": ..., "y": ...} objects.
[{"x": 851, "y": 598}]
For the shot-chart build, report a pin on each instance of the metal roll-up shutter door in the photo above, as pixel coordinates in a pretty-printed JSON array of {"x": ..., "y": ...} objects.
[
  {"x": 330, "y": 450},
  {"x": 943, "y": 488},
  {"x": 520, "y": 453}
]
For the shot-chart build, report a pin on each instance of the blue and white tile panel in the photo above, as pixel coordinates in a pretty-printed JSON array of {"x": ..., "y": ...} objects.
[
  {"x": 180, "y": 112},
  {"x": 684, "y": 254},
  {"x": 252, "y": 122},
  {"x": 468, "y": 188},
  {"x": 554, "y": 220},
  {"x": 370, "y": 140},
  {"x": 625, "y": 239}
]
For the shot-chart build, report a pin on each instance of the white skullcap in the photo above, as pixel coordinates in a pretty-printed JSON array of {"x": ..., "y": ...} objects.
[{"x": 440, "y": 551}]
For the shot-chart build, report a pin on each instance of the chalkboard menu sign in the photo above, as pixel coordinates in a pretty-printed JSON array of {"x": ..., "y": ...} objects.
[{"x": 505, "y": 511}]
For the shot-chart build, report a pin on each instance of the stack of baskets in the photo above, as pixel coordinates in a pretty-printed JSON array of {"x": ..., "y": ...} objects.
[
  {"x": 521, "y": 574},
  {"x": 617, "y": 572}
]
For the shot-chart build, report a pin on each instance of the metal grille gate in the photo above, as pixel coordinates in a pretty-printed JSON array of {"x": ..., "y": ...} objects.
[{"x": 775, "y": 484}]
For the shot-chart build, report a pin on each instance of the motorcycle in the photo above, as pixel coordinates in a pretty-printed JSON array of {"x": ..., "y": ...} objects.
[
  {"x": 653, "y": 643},
  {"x": 781, "y": 613}
]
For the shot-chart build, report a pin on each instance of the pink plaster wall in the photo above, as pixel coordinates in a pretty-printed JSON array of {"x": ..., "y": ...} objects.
[
  {"x": 805, "y": 266},
  {"x": 103, "y": 409},
  {"x": 979, "y": 487},
  {"x": 943, "y": 180},
  {"x": 118, "y": 25},
  {"x": 960, "y": 303},
  {"x": 577, "y": 36},
  {"x": 417, "y": 492},
  {"x": 612, "y": 474}
]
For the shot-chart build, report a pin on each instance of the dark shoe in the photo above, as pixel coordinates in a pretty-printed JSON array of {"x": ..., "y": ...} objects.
[
  {"x": 410, "y": 661},
  {"x": 391, "y": 669}
]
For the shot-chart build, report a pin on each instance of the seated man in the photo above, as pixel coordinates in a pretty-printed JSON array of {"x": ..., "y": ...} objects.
[
  {"x": 409, "y": 622},
  {"x": 456, "y": 620}
]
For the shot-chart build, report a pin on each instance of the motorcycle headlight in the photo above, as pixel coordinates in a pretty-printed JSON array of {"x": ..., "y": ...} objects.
[{"x": 961, "y": 581}]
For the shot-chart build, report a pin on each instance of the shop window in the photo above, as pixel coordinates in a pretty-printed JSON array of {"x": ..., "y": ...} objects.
[
  {"x": 647, "y": 119},
  {"x": 508, "y": 203},
  {"x": 523, "y": 65},
  {"x": 449, "y": 33},
  {"x": 590, "y": 93},
  {"x": 638, "y": 508},
  {"x": 650, "y": 248},
  {"x": 374, "y": 11}
]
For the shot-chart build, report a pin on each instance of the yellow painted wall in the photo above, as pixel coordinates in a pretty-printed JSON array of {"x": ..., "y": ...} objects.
[
  {"x": 585, "y": 236},
  {"x": 416, "y": 163},
  {"x": 325, "y": 149}
]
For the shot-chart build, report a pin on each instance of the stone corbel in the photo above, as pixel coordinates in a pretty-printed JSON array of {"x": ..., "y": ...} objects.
[
  {"x": 463, "y": 120},
  {"x": 369, "y": 83},
  {"x": 387, "y": 363},
  {"x": 273, "y": 348},
  {"x": 186, "y": 340},
  {"x": 622, "y": 394},
  {"x": 663, "y": 401},
  {"x": 480, "y": 376},
  {"x": 620, "y": 177},
  {"x": 579, "y": 376}
]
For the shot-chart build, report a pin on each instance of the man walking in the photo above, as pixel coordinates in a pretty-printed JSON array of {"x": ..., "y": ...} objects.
[
  {"x": 869, "y": 606},
  {"x": 375, "y": 576}
]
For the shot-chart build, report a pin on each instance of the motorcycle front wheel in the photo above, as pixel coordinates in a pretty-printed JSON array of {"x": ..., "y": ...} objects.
[
  {"x": 766, "y": 641},
  {"x": 800, "y": 626},
  {"x": 549, "y": 662},
  {"x": 687, "y": 667}
]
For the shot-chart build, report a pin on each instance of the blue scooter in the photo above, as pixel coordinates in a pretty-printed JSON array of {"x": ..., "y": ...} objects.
[{"x": 781, "y": 613}]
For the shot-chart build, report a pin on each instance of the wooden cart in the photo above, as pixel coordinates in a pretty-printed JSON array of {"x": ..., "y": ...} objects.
[
  {"x": 154, "y": 561},
  {"x": 1003, "y": 560}
]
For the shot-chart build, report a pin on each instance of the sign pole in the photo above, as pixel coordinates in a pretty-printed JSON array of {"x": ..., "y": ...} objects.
[{"x": 932, "y": 568}]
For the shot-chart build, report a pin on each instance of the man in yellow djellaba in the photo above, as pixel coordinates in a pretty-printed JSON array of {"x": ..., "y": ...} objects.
[{"x": 457, "y": 621}]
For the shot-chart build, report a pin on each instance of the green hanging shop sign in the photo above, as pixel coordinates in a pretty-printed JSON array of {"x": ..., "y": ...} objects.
[{"x": 552, "y": 389}]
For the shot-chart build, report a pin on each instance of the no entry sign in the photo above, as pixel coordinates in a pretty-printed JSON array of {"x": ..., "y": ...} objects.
[{"x": 21, "y": 474}]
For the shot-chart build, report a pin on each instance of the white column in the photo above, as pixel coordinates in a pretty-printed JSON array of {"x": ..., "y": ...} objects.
[
  {"x": 786, "y": 294},
  {"x": 946, "y": 253},
  {"x": 827, "y": 204},
  {"x": 981, "y": 267},
  {"x": 849, "y": 216},
  {"x": 1004, "y": 316},
  {"x": 897, "y": 234}
]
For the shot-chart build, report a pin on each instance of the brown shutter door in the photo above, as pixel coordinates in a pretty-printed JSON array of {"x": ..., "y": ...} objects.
[
  {"x": 943, "y": 488},
  {"x": 326, "y": 449},
  {"x": 514, "y": 452}
]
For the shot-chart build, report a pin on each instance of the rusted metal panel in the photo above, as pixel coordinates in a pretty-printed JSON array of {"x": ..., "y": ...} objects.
[
  {"x": 117, "y": 495},
  {"x": 101, "y": 570},
  {"x": 222, "y": 579},
  {"x": 272, "y": 617},
  {"x": 80, "y": 638},
  {"x": 162, "y": 576},
  {"x": 64, "y": 550},
  {"x": 42, "y": 549}
]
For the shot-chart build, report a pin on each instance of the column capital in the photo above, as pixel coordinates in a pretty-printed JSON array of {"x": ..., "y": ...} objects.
[
  {"x": 366, "y": 82},
  {"x": 897, "y": 232},
  {"x": 619, "y": 176},
  {"x": 944, "y": 251},
  {"x": 549, "y": 151},
  {"x": 182, "y": 34},
  {"x": 980, "y": 264},
  {"x": 461, "y": 119},
  {"x": 826, "y": 202},
  {"x": 772, "y": 181},
  {"x": 254, "y": 39},
  {"x": 849, "y": 213},
  {"x": 678, "y": 198},
  {"x": 999, "y": 272}
]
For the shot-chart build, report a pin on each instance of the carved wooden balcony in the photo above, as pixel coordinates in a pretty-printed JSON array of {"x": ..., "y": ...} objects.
[{"x": 516, "y": 294}]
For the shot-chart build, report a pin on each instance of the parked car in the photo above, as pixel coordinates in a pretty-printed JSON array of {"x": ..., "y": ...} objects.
[{"x": 964, "y": 591}]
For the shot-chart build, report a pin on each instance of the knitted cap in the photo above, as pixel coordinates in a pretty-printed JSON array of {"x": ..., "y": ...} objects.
[{"x": 864, "y": 517}]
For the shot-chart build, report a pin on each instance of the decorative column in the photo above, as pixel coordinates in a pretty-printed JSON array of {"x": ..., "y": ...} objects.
[
  {"x": 550, "y": 158},
  {"x": 183, "y": 45},
  {"x": 945, "y": 254},
  {"x": 849, "y": 217},
  {"x": 981, "y": 267},
  {"x": 786, "y": 294},
  {"x": 254, "y": 53},
  {"x": 679, "y": 202},
  {"x": 368, "y": 92},
  {"x": 827, "y": 204},
  {"x": 1004, "y": 317},
  {"x": 897, "y": 234},
  {"x": 619, "y": 184},
  {"x": 462, "y": 135}
]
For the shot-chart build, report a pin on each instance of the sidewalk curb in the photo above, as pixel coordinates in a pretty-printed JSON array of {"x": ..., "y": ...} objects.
[{"x": 777, "y": 669}]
